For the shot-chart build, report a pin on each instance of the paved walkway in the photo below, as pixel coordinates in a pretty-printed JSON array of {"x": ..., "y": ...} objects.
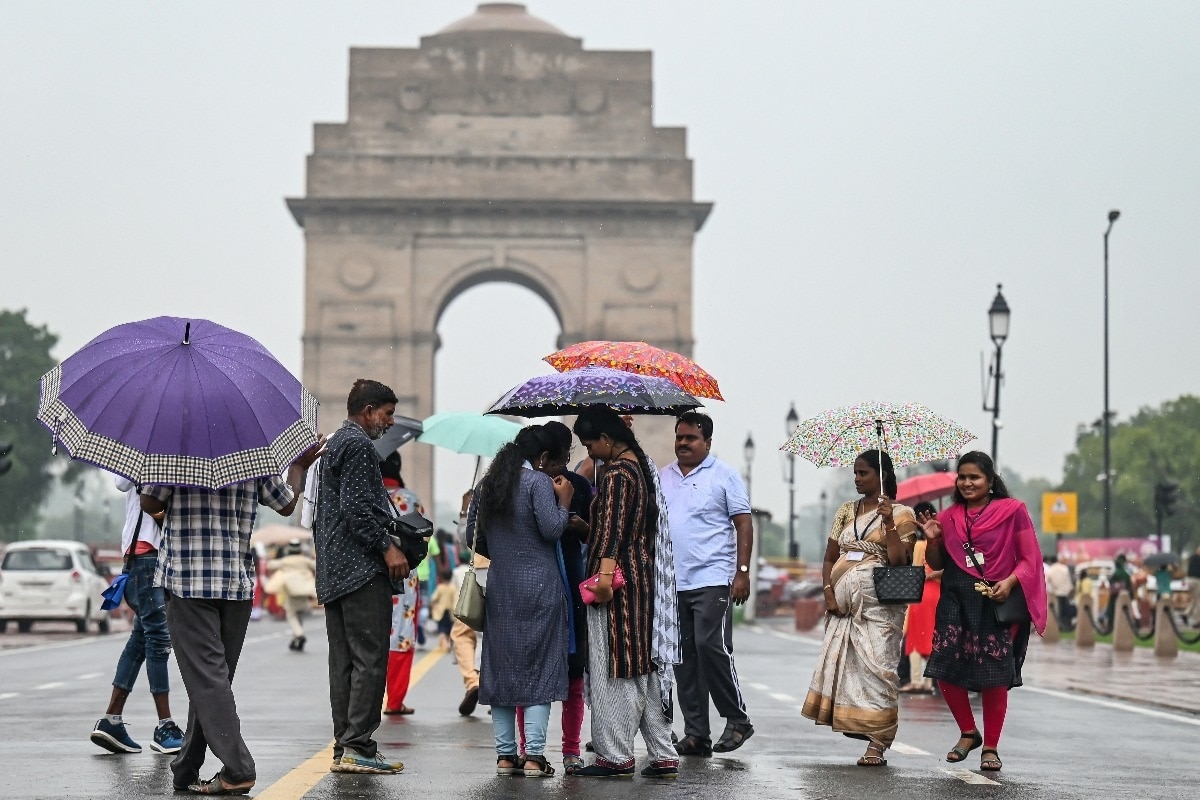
[{"x": 1138, "y": 677}]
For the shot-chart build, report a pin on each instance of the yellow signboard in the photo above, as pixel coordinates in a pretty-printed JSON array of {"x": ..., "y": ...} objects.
[{"x": 1060, "y": 512}]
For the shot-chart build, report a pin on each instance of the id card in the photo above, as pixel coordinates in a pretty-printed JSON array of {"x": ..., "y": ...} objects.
[
  {"x": 855, "y": 555},
  {"x": 974, "y": 558}
]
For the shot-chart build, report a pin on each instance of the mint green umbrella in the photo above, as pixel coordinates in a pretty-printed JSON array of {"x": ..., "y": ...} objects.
[{"x": 468, "y": 432}]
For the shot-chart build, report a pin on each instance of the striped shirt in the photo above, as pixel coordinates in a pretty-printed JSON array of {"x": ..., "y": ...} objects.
[{"x": 206, "y": 549}]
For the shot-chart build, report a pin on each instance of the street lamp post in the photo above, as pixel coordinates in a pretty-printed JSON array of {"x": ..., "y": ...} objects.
[
  {"x": 824, "y": 516},
  {"x": 793, "y": 548},
  {"x": 1107, "y": 422},
  {"x": 748, "y": 452},
  {"x": 998, "y": 317}
]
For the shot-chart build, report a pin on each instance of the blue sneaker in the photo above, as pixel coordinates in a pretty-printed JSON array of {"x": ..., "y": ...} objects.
[
  {"x": 167, "y": 738},
  {"x": 356, "y": 762},
  {"x": 113, "y": 737}
]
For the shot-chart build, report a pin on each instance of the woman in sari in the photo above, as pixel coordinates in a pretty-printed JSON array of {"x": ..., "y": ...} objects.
[
  {"x": 988, "y": 548},
  {"x": 854, "y": 688}
]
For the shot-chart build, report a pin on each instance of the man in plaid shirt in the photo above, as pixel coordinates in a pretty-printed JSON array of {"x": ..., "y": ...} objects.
[{"x": 206, "y": 566}]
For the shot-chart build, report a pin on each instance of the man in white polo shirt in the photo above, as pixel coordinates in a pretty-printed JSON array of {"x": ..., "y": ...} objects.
[{"x": 709, "y": 513}]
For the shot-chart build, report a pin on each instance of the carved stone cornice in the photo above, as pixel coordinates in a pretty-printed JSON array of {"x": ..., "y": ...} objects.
[{"x": 303, "y": 207}]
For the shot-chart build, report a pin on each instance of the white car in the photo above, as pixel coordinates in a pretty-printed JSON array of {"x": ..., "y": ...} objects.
[{"x": 51, "y": 580}]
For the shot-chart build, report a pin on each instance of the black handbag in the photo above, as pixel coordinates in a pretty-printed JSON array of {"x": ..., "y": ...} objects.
[
  {"x": 1014, "y": 610},
  {"x": 896, "y": 585},
  {"x": 411, "y": 534}
]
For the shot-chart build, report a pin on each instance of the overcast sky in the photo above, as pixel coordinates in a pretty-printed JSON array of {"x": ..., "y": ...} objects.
[{"x": 877, "y": 169}]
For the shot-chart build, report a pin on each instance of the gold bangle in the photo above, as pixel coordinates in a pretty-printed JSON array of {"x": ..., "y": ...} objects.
[
  {"x": 607, "y": 573},
  {"x": 828, "y": 586}
]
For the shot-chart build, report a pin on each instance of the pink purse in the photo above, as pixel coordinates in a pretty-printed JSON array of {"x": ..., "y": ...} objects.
[{"x": 588, "y": 586}]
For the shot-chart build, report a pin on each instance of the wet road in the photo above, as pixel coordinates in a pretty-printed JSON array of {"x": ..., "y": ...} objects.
[{"x": 1056, "y": 744}]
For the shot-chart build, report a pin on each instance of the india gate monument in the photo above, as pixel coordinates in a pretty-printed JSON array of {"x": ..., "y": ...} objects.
[{"x": 498, "y": 150}]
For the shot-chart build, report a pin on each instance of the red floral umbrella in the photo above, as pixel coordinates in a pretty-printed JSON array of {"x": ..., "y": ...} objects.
[{"x": 640, "y": 358}]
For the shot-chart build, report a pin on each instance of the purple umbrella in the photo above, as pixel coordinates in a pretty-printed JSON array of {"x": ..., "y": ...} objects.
[
  {"x": 178, "y": 401},
  {"x": 572, "y": 391}
]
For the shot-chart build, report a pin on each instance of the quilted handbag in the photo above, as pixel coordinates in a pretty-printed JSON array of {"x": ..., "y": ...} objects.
[{"x": 896, "y": 585}]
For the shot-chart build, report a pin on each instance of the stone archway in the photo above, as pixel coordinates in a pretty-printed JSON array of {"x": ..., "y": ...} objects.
[{"x": 499, "y": 149}]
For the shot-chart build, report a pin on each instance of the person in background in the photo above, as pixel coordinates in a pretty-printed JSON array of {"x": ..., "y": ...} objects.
[
  {"x": 149, "y": 641},
  {"x": 462, "y": 639},
  {"x": 441, "y": 607},
  {"x": 987, "y": 545},
  {"x": 633, "y": 632},
  {"x": 854, "y": 687},
  {"x": 519, "y": 513},
  {"x": 1119, "y": 580},
  {"x": 1162, "y": 581},
  {"x": 406, "y": 606},
  {"x": 357, "y": 564},
  {"x": 709, "y": 514},
  {"x": 573, "y": 548},
  {"x": 294, "y": 582},
  {"x": 1061, "y": 588},
  {"x": 1192, "y": 616},
  {"x": 207, "y": 567},
  {"x": 918, "y": 625}
]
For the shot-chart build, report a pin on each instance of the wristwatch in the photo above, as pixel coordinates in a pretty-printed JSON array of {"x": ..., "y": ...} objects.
[{"x": 743, "y": 568}]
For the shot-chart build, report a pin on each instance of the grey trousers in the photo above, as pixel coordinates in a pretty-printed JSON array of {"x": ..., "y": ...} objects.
[
  {"x": 621, "y": 707},
  {"x": 706, "y": 638},
  {"x": 207, "y": 636},
  {"x": 358, "y": 625}
]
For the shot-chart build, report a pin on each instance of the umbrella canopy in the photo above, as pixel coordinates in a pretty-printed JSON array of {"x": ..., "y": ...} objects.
[
  {"x": 178, "y": 401},
  {"x": 909, "y": 432},
  {"x": 571, "y": 392},
  {"x": 469, "y": 432},
  {"x": 639, "y": 357},
  {"x": 1155, "y": 560},
  {"x": 924, "y": 488},
  {"x": 403, "y": 431}
]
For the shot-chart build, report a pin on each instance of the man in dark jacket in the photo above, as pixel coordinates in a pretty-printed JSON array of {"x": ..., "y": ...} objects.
[{"x": 357, "y": 564}]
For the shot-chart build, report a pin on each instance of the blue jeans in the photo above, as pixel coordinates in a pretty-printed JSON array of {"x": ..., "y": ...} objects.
[
  {"x": 149, "y": 642},
  {"x": 504, "y": 725}
]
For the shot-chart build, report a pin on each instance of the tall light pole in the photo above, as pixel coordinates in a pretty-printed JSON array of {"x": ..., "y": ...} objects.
[
  {"x": 793, "y": 548},
  {"x": 998, "y": 317},
  {"x": 824, "y": 515},
  {"x": 1113, "y": 216},
  {"x": 748, "y": 452}
]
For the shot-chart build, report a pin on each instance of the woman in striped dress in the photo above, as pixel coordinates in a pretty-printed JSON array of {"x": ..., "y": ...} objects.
[{"x": 625, "y": 689}]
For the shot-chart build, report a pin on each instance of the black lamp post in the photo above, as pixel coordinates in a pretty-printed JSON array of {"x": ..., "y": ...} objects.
[
  {"x": 998, "y": 316},
  {"x": 1106, "y": 421},
  {"x": 793, "y": 548},
  {"x": 748, "y": 452},
  {"x": 824, "y": 515}
]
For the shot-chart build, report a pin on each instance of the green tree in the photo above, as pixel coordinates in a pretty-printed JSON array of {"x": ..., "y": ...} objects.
[
  {"x": 24, "y": 358},
  {"x": 1155, "y": 444}
]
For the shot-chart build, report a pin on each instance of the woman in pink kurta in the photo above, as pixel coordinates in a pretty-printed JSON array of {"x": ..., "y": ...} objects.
[{"x": 988, "y": 548}]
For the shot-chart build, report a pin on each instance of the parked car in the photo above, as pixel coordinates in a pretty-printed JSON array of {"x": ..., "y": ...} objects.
[{"x": 51, "y": 580}]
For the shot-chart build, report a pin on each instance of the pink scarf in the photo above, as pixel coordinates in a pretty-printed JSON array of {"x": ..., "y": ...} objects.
[{"x": 1004, "y": 534}]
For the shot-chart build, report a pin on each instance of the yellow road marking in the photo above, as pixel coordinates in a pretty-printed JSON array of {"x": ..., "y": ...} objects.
[{"x": 297, "y": 783}]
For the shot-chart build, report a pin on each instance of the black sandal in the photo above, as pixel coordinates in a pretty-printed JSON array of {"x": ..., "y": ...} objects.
[
  {"x": 514, "y": 759},
  {"x": 692, "y": 745},
  {"x": 992, "y": 764},
  {"x": 537, "y": 767},
  {"x": 216, "y": 785},
  {"x": 959, "y": 753},
  {"x": 734, "y": 737}
]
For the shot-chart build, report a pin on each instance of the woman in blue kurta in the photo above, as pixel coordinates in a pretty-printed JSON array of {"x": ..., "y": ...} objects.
[{"x": 521, "y": 514}]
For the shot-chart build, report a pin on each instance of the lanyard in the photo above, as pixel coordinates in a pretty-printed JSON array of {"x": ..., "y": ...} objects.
[
  {"x": 858, "y": 537},
  {"x": 969, "y": 546}
]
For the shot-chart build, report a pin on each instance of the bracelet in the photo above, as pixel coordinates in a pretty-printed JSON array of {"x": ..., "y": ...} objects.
[
  {"x": 607, "y": 573},
  {"x": 890, "y": 530},
  {"x": 828, "y": 586}
]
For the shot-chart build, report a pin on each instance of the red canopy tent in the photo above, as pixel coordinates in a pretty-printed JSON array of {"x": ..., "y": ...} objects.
[{"x": 925, "y": 488}]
